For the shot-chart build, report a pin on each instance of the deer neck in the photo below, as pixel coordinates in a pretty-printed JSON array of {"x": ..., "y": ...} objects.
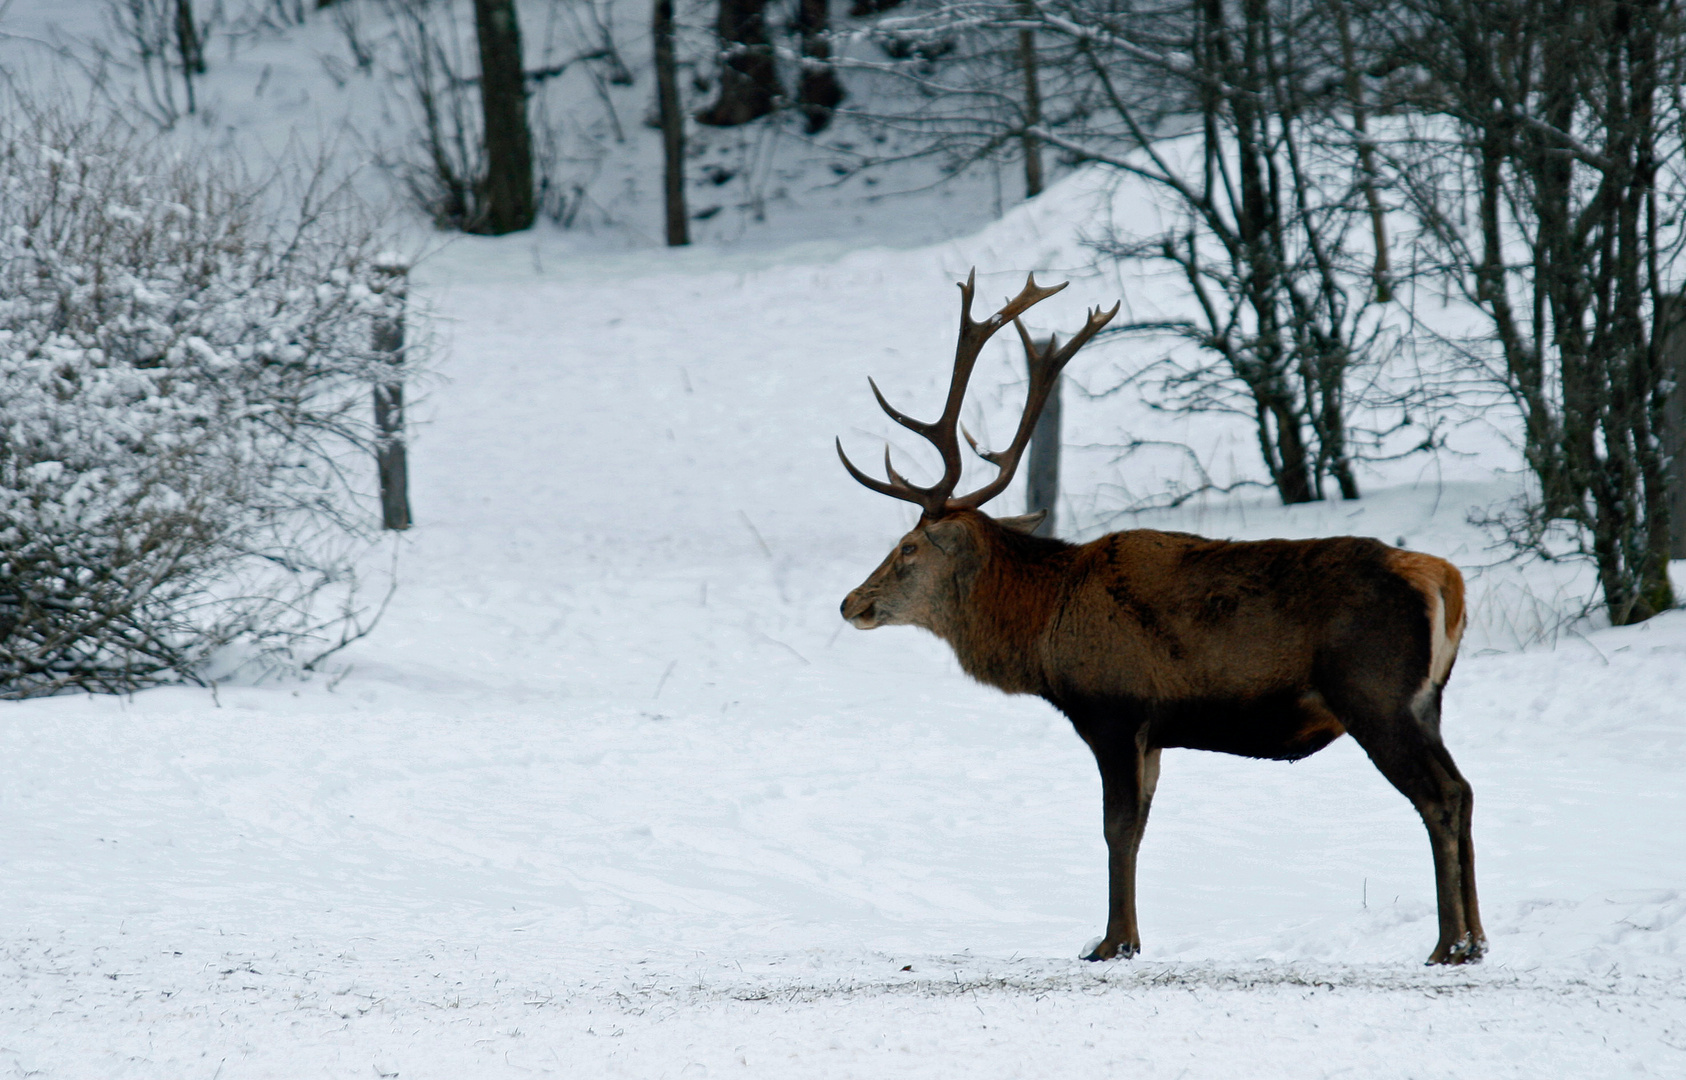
[{"x": 1003, "y": 610}]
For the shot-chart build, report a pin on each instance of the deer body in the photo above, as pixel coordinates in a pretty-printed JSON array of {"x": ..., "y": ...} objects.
[
  {"x": 1205, "y": 644},
  {"x": 1148, "y": 640}
]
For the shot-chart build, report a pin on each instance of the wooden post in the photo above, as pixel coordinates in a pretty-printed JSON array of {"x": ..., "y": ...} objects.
[
  {"x": 1042, "y": 481},
  {"x": 392, "y": 281}
]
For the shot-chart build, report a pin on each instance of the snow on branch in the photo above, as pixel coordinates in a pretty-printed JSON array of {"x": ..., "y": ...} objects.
[{"x": 185, "y": 433}]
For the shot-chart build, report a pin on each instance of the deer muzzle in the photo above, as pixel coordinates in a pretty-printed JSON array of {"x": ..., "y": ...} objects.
[{"x": 860, "y": 611}]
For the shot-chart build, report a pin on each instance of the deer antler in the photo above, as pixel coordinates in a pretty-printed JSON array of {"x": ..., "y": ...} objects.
[{"x": 1045, "y": 366}]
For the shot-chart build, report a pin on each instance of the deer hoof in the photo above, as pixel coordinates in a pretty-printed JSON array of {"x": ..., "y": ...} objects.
[
  {"x": 1111, "y": 950},
  {"x": 1466, "y": 950}
]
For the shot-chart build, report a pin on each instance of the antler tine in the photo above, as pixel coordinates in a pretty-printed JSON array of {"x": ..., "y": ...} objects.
[
  {"x": 1045, "y": 366},
  {"x": 1029, "y": 296},
  {"x": 987, "y": 455},
  {"x": 896, "y": 414},
  {"x": 1091, "y": 326},
  {"x": 929, "y": 499},
  {"x": 897, "y": 488},
  {"x": 1032, "y": 351},
  {"x": 896, "y": 477}
]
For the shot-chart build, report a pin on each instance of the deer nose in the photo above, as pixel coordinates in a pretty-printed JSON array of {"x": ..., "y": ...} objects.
[{"x": 857, "y": 609}]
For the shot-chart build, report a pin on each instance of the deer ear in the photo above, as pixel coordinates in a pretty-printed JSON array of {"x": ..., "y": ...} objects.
[{"x": 1024, "y": 523}]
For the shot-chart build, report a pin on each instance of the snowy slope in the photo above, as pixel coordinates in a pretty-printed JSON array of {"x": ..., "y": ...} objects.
[{"x": 612, "y": 791}]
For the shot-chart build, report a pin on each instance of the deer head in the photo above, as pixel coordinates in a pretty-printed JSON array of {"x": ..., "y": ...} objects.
[
  {"x": 923, "y": 579},
  {"x": 926, "y": 572}
]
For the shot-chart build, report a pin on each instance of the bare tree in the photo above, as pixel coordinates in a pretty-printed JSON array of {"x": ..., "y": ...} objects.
[
  {"x": 1673, "y": 355},
  {"x": 166, "y": 46},
  {"x": 976, "y": 81},
  {"x": 431, "y": 65},
  {"x": 189, "y": 44},
  {"x": 1233, "y": 113},
  {"x": 472, "y": 163},
  {"x": 1540, "y": 155},
  {"x": 1266, "y": 207},
  {"x": 1042, "y": 474},
  {"x": 390, "y": 280}
]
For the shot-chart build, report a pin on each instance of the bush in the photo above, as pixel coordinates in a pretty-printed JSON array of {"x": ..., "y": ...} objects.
[{"x": 184, "y": 409}]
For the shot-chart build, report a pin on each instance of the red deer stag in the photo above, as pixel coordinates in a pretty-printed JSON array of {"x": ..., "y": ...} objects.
[{"x": 1147, "y": 639}]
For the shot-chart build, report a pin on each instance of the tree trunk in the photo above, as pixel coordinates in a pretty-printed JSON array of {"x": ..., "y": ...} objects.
[
  {"x": 1380, "y": 273},
  {"x": 1672, "y": 356},
  {"x": 192, "y": 50},
  {"x": 1292, "y": 475},
  {"x": 748, "y": 80},
  {"x": 1032, "y": 117},
  {"x": 187, "y": 39},
  {"x": 672, "y": 125},
  {"x": 1257, "y": 243},
  {"x": 818, "y": 90},
  {"x": 509, "y": 205}
]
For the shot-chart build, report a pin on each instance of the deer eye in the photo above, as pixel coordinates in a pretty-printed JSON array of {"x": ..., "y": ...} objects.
[{"x": 908, "y": 549}]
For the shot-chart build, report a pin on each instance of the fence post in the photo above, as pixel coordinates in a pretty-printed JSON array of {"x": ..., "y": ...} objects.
[
  {"x": 1042, "y": 484},
  {"x": 391, "y": 281}
]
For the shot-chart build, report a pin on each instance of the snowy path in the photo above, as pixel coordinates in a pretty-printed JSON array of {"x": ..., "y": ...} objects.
[{"x": 612, "y": 793}]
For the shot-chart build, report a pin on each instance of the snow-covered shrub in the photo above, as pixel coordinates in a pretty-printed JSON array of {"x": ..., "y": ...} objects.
[{"x": 185, "y": 372}]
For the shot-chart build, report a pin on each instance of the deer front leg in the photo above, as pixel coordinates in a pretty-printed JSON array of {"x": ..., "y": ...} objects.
[{"x": 1128, "y": 778}]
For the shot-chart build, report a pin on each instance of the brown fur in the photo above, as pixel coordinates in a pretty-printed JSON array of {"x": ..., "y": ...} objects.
[{"x": 1150, "y": 639}]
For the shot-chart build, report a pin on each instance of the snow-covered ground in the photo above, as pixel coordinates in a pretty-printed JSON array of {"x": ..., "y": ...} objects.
[{"x": 613, "y": 791}]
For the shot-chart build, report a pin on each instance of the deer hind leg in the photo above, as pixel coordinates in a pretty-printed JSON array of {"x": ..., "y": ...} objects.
[
  {"x": 1129, "y": 775},
  {"x": 1426, "y": 706},
  {"x": 1466, "y": 856},
  {"x": 1410, "y": 754}
]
